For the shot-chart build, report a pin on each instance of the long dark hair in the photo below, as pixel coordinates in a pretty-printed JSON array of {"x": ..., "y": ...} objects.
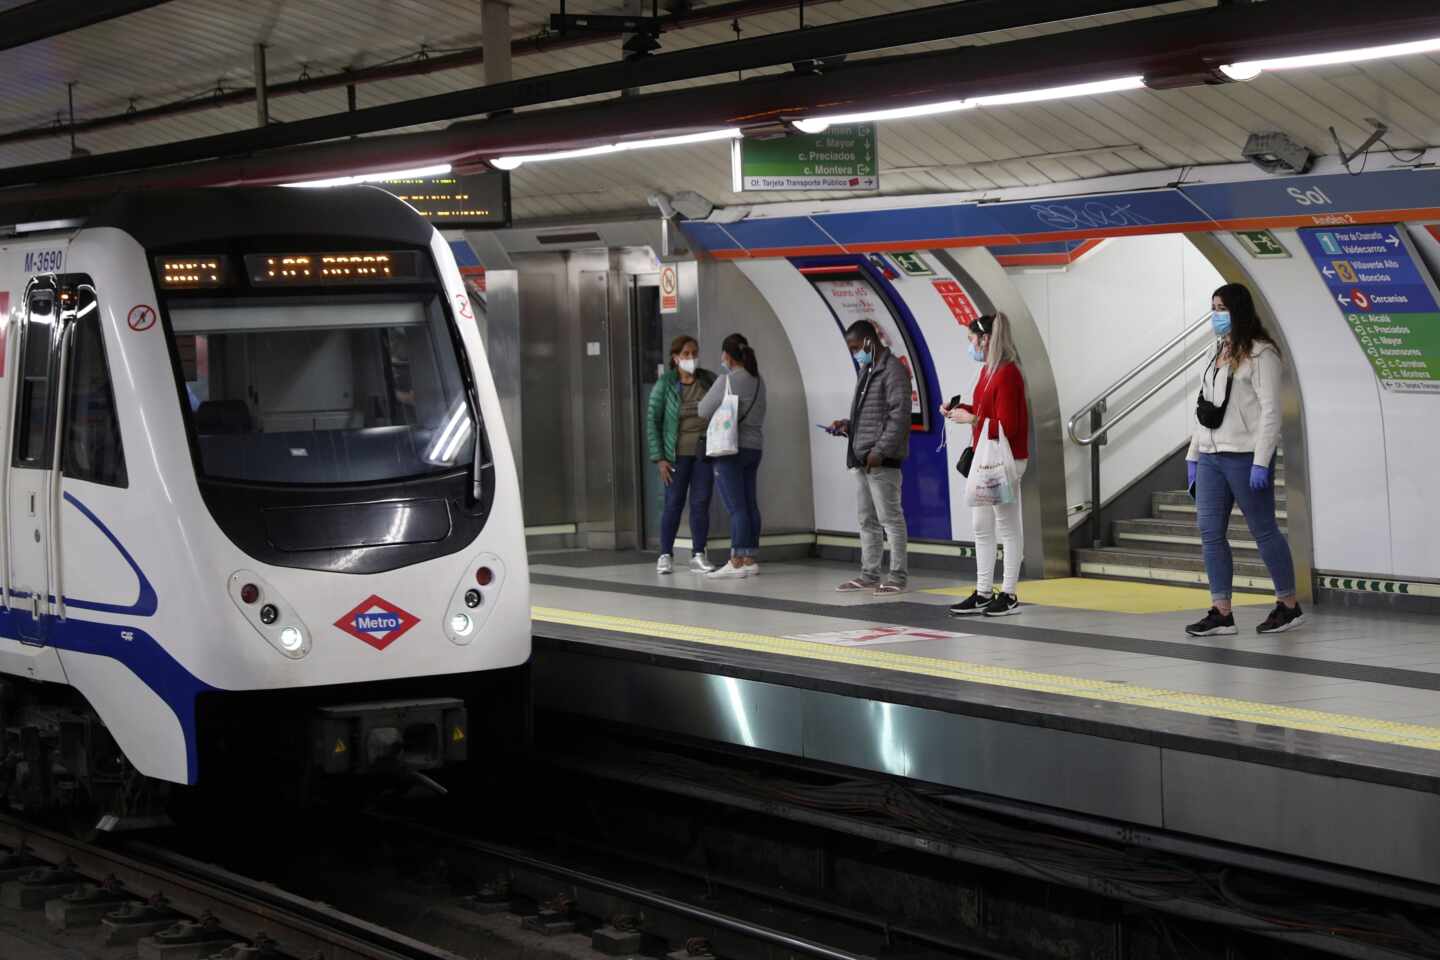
[
  {"x": 739, "y": 349},
  {"x": 1246, "y": 329},
  {"x": 678, "y": 344}
]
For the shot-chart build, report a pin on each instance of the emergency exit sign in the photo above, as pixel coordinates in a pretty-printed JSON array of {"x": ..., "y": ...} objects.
[
  {"x": 844, "y": 157},
  {"x": 1261, "y": 244}
]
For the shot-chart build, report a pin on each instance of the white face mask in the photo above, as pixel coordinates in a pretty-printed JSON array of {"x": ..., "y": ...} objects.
[{"x": 687, "y": 364}]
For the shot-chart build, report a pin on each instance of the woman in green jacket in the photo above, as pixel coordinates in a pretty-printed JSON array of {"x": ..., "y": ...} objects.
[{"x": 676, "y": 436}]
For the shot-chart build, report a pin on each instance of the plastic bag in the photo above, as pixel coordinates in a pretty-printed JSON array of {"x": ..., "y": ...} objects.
[
  {"x": 722, "y": 437},
  {"x": 993, "y": 478}
]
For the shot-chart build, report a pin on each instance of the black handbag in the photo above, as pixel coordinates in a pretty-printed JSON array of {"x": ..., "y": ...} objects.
[
  {"x": 966, "y": 458},
  {"x": 1207, "y": 413}
]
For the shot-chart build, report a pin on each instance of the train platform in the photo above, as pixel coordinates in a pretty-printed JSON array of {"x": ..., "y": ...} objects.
[{"x": 1322, "y": 744}]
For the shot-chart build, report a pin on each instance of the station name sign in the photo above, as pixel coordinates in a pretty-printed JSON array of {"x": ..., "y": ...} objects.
[{"x": 473, "y": 201}]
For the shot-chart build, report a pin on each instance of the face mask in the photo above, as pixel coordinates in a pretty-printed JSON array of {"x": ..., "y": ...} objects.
[
  {"x": 723, "y": 364},
  {"x": 687, "y": 364},
  {"x": 1220, "y": 322},
  {"x": 863, "y": 357},
  {"x": 976, "y": 353}
]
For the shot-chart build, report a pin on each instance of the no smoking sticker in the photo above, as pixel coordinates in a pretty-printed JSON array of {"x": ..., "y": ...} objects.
[{"x": 141, "y": 318}]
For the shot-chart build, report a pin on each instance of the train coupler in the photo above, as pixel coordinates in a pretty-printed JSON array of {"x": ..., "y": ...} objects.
[{"x": 396, "y": 737}]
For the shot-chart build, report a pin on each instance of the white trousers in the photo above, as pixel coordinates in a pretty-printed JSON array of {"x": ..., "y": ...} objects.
[{"x": 1005, "y": 522}]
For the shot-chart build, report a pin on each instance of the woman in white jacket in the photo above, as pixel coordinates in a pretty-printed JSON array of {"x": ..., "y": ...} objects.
[{"x": 1232, "y": 460}]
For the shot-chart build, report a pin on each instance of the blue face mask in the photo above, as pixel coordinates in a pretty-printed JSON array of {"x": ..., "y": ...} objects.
[
  {"x": 723, "y": 364},
  {"x": 976, "y": 353},
  {"x": 1220, "y": 322},
  {"x": 863, "y": 357}
]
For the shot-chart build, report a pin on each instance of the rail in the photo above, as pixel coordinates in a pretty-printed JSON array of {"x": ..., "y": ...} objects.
[
  {"x": 248, "y": 909},
  {"x": 1096, "y": 409}
]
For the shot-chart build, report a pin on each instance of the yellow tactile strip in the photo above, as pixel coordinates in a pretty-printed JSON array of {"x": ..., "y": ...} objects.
[{"x": 1107, "y": 691}]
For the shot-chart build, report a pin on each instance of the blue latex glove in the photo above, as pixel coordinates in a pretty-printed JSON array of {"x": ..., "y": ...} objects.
[
  {"x": 1259, "y": 477},
  {"x": 1190, "y": 467}
]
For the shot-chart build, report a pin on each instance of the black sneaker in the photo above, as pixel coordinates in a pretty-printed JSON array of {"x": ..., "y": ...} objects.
[
  {"x": 1003, "y": 605},
  {"x": 1215, "y": 624},
  {"x": 971, "y": 605},
  {"x": 1282, "y": 618}
]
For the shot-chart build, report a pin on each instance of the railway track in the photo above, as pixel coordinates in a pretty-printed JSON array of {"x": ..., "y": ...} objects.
[{"x": 213, "y": 905}]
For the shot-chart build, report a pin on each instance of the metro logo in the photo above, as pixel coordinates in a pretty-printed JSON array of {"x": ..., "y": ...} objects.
[{"x": 377, "y": 621}]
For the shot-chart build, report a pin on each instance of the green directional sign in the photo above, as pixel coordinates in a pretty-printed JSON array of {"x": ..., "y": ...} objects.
[{"x": 844, "y": 157}]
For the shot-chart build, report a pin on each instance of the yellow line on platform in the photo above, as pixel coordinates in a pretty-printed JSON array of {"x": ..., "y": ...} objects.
[{"x": 1106, "y": 691}]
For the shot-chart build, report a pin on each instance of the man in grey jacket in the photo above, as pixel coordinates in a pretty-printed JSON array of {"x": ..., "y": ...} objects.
[{"x": 879, "y": 440}]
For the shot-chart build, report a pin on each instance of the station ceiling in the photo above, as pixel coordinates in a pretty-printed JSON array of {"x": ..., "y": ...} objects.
[{"x": 189, "y": 49}]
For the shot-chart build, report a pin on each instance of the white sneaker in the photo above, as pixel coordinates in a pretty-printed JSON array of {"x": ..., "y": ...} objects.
[
  {"x": 699, "y": 563},
  {"x": 665, "y": 564},
  {"x": 753, "y": 570},
  {"x": 728, "y": 572}
]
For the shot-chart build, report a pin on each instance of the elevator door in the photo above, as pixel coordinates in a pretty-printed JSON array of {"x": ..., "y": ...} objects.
[
  {"x": 654, "y": 333},
  {"x": 597, "y": 404}
]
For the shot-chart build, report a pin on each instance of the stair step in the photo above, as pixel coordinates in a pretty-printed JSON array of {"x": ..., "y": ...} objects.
[
  {"x": 1167, "y": 503},
  {"x": 1155, "y": 566},
  {"x": 1177, "y": 536}
]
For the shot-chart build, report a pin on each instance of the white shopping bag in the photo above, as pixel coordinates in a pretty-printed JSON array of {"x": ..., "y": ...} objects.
[
  {"x": 722, "y": 438},
  {"x": 993, "y": 478}
]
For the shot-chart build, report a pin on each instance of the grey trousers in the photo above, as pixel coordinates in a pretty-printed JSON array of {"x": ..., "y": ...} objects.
[{"x": 881, "y": 515}]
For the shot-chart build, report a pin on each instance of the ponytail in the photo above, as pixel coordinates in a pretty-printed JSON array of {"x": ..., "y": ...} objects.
[
  {"x": 1002, "y": 346},
  {"x": 739, "y": 349}
]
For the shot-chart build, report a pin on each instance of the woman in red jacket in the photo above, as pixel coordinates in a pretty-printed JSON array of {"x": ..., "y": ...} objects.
[{"x": 1000, "y": 399}]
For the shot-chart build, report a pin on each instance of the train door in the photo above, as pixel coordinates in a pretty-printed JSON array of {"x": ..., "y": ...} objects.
[{"x": 30, "y": 469}]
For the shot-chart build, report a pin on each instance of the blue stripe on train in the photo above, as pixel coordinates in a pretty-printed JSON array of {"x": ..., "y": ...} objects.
[{"x": 140, "y": 653}]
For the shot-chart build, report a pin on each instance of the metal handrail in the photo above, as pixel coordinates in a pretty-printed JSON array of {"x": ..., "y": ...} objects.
[
  {"x": 1096, "y": 433},
  {"x": 1096, "y": 409}
]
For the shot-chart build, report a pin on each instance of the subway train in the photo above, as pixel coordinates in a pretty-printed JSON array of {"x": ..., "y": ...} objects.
[{"x": 261, "y": 518}]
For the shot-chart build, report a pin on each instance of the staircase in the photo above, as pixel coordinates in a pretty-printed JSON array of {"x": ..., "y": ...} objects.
[{"x": 1165, "y": 547}]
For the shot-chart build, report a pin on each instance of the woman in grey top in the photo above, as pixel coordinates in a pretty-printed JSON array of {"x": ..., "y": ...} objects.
[{"x": 736, "y": 475}]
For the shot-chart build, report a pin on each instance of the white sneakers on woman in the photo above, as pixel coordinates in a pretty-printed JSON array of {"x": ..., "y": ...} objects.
[{"x": 731, "y": 572}]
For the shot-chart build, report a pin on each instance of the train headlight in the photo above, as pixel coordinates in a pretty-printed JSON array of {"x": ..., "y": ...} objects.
[
  {"x": 269, "y": 614},
  {"x": 291, "y": 639},
  {"x": 474, "y": 599}
]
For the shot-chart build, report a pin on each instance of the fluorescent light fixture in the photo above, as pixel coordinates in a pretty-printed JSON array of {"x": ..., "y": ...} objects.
[
  {"x": 438, "y": 170},
  {"x": 510, "y": 163},
  {"x": 1250, "y": 69},
  {"x": 821, "y": 124},
  {"x": 1060, "y": 93}
]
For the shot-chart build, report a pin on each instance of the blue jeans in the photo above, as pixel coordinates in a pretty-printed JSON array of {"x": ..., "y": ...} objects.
[
  {"x": 696, "y": 478},
  {"x": 1221, "y": 481},
  {"x": 736, "y": 477}
]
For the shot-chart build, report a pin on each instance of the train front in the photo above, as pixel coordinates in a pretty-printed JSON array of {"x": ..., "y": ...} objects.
[{"x": 351, "y": 570}]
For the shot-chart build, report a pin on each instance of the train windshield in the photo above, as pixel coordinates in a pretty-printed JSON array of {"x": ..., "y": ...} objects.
[{"x": 334, "y": 392}]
